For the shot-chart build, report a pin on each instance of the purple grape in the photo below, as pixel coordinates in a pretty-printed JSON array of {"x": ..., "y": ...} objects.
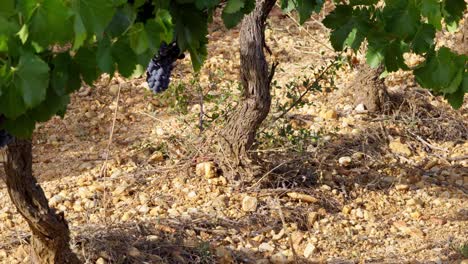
[{"x": 159, "y": 69}]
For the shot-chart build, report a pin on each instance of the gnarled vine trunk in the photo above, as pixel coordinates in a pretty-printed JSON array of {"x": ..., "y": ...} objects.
[
  {"x": 370, "y": 90},
  {"x": 238, "y": 135},
  {"x": 50, "y": 233}
]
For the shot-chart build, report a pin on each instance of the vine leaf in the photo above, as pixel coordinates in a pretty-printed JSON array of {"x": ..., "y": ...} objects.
[
  {"x": 31, "y": 78},
  {"x": 95, "y": 15}
]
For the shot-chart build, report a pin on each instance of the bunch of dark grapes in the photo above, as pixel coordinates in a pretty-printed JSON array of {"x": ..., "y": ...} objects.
[
  {"x": 5, "y": 137},
  {"x": 160, "y": 67}
]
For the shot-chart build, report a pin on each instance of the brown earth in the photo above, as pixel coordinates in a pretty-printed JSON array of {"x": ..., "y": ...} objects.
[{"x": 344, "y": 186}]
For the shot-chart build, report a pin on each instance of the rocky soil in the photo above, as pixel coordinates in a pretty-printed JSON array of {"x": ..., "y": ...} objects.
[{"x": 348, "y": 186}]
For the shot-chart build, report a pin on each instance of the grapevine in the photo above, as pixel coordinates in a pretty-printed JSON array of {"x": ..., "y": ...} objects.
[
  {"x": 5, "y": 137},
  {"x": 160, "y": 67}
]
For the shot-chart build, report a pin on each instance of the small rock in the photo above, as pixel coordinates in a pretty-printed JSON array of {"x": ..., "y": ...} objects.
[
  {"x": 402, "y": 187},
  {"x": 414, "y": 202},
  {"x": 157, "y": 156},
  {"x": 312, "y": 218},
  {"x": 359, "y": 213},
  {"x": 415, "y": 215},
  {"x": 360, "y": 109},
  {"x": 101, "y": 261},
  {"x": 265, "y": 247},
  {"x": 192, "y": 195},
  {"x": 357, "y": 156},
  {"x": 330, "y": 114},
  {"x": 224, "y": 255},
  {"x": 437, "y": 221},
  {"x": 279, "y": 235},
  {"x": 126, "y": 216},
  {"x": 134, "y": 252},
  {"x": 346, "y": 209},
  {"x": 249, "y": 204},
  {"x": 399, "y": 148},
  {"x": 206, "y": 169},
  {"x": 344, "y": 161},
  {"x": 309, "y": 250},
  {"x": 303, "y": 197},
  {"x": 114, "y": 89},
  {"x": 143, "y": 209},
  {"x": 143, "y": 198},
  {"x": 279, "y": 258},
  {"x": 56, "y": 199}
]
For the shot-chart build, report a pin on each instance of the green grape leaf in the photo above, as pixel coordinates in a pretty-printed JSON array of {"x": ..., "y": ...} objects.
[
  {"x": 125, "y": 58},
  {"x": 7, "y": 30},
  {"x": 64, "y": 77},
  {"x": 49, "y": 22},
  {"x": 12, "y": 104},
  {"x": 121, "y": 22},
  {"x": 431, "y": 10},
  {"x": 31, "y": 78},
  {"x": 159, "y": 29},
  {"x": 349, "y": 27},
  {"x": 139, "y": 41},
  {"x": 394, "y": 56},
  {"x": 21, "y": 127},
  {"x": 191, "y": 31},
  {"x": 233, "y": 6},
  {"x": 443, "y": 71},
  {"x": 104, "y": 58},
  {"x": 23, "y": 34},
  {"x": 232, "y": 19},
  {"x": 456, "y": 99},
  {"x": 94, "y": 14},
  {"x": 287, "y": 5},
  {"x": 7, "y": 8},
  {"x": 86, "y": 60},
  {"x": 202, "y": 4},
  {"x": 52, "y": 105},
  {"x": 80, "y": 32},
  {"x": 453, "y": 11},
  {"x": 424, "y": 39},
  {"x": 27, "y": 8},
  {"x": 363, "y": 2},
  {"x": 306, "y": 7},
  {"x": 401, "y": 18}
]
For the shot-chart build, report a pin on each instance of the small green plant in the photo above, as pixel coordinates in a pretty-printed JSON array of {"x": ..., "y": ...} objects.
[{"x": 464, "y": 250}]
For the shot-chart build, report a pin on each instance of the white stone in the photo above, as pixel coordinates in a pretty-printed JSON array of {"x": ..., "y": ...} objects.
[{"x": 309, "y": 250}]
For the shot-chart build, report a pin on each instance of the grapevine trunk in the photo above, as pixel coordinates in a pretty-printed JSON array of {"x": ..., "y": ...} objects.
[
  {"x": 238, "y": 135},
  {"x": 370, "y": 90},
  {"x": 50, "y": 233}
]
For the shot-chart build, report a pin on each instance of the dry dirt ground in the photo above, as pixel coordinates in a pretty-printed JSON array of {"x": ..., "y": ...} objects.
[{"x": 341, "y": 186}]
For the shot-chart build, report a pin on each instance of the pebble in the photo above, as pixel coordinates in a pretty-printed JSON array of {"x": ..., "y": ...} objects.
[
  {"x": 134, "y": 252},
  {"x": 279, "y": 258},
  {"x": 312, "y": 217},
  {"x": 101, "y": 261},
  {"x": 206, "y": 169},
  {"x": 114, "y": 89},
  {"x": 402, "y": 187},
  {"x": 330, "y": 114},
  {"x": 56, "y": 199},
  {"x": 265, "y": 247},
  {"x": 399, "y": 148},
  {"x": 249, "y": 204},
  {"x": 309, "y": 250},
  {"x": 344, "y": 161},
  {"x": 360, "y": 109}
]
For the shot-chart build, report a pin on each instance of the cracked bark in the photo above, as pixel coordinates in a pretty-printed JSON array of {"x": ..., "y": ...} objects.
[
  {"x": 239, "y": 133},
  {"x": 50, "y": 233}
]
